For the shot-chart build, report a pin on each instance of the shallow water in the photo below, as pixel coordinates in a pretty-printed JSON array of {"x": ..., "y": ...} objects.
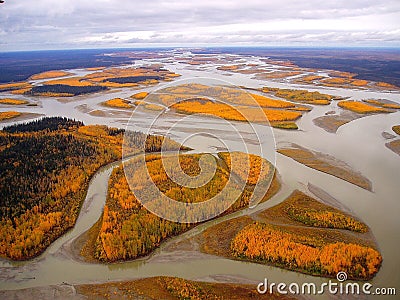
[{"x": 358, "y": 143}]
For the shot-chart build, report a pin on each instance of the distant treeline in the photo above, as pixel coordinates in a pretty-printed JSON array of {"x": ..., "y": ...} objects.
[
  {"x": 18, "y": 66},
  {"x": 134, "y": 79},
  {"x": 375, "y": 64},
  {"x": 65, "y": 89},
  {"x": 48, "y": 124}
]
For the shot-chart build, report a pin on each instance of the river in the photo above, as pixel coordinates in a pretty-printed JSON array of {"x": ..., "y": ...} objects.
[{"x": 358, "y": 143}]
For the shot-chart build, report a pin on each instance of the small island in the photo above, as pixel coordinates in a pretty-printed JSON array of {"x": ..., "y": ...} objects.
[
  {"x": 127, "y": 230},
  {"x": 299, "y": 234}
]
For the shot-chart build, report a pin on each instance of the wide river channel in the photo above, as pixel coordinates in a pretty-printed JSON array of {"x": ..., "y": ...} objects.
[{"x": 359, "y": 143}]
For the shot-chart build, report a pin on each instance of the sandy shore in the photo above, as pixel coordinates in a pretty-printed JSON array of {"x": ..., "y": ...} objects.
[
  {"x": 331, "y": 122},
  {"x": 394, "y": 146},
  {"x": 22, "y": 117},
  {"x": 327, "y": 164}
]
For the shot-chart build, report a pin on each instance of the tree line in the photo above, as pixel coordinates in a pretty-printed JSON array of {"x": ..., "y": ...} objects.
[{"x": 45, "y": 168}]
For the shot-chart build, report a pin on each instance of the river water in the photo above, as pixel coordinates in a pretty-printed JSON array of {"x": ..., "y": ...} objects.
[{"x": 358, "y": 143}]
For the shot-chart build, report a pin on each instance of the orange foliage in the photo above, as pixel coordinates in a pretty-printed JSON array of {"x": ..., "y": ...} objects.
[
  {"x": 155, "y": 107},
  {"x": 329, "y": 218},
  {"x": 229, "y": 112},
  {"x": 61, "y": 192},
  {"x": 359, "y": 82},
  {"x": 268, "y": 102},
  {"x": 50, "y": 74},
  {"x": 20, "y": 91},
  {"x": 12, "y": 101},
  {"x": 386, "y": 85},
  {"x": 228, "y": 68},
  {"x": 396, "y": 129},
  {"x": 263, "y": 242},
  {"x": 128, "y": 230},
  {"x": 15, "y": 86},
  {"x": 302, "y": 96},
  {"x": 310, "y": 78},
  {"x": 72, "y": 81},
  {"x": 140, "y": 96},
  {"x": 383, "y": 104},
  {"x": 118, "y": 102},
  {"x": 258, "y": 168},
  {"x": 335, "y": 80},
  {"x": 360, "y": 107},
  {"x": 4, "y": 115}
]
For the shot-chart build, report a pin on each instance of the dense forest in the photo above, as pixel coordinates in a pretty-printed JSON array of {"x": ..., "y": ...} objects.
[
  {"x": 300, "y": 234},
  {"x": 66, "y": 90},
  {"x": 18, "y": 66},
  {"x": 47, "y": 124},
  {"x": 128, "y": 230},
  {"x": 45, "y": 169},
  {"x": 304, "y": 234},
  {"x": 260, "y": 241},
  {"x": 134, "y": 79}
]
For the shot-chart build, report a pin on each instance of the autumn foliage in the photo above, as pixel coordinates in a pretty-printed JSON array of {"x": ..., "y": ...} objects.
[
  {"x": 258, "y": 167},
  {"x": 312, "y": 243},
  {"x": 382, "y": 103},
  {"x": 50, "y": 74},
  {"x": 140, "y": 96},
  {"x": 118, "y": 103},
  {"x": 98, "y": 80},
  {"x": 299, "y": 234},
  {"x": 263, "y": 242},
  {"x": 230, "y": 112},
  {"x": 301, "y": 96},
  {"x": 5, "y": 115},
  {"x": 360, "y": 107},
  {"x": 129, "y": 231},
  {"x": 12, "y": 101},
  {"x": 228, "y": 103},
  {"x": 46, "y": 166},
  {"x": 4, "y": 87},
  {"x": 329, "y": 218},
  {"x": 396, "y": 129}
]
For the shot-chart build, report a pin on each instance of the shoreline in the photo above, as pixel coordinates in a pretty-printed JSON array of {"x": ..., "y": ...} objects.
[{"x": 325, "y": 163}]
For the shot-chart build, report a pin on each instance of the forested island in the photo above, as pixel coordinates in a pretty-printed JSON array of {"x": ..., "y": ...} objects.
[
  {"x": 127, "y": 230},
  {"x": 45, "y": 170}
]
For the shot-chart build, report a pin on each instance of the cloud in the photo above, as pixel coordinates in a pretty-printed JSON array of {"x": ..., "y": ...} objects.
[{"x": 64, "y": 23}]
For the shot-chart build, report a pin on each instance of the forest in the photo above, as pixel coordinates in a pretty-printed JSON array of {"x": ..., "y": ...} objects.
[
  {"x": 18, "y": 66},
  {"x": 229, "y": 112},
  {"x": 361, "y": 108},
  {"x": 62, "y": 89},
  {"x": 300, "y": 234},
  {"x": 5, "y": 115},
  {"x": 263, "y": 242},
  {"x": 304, "y": 234},
  {"x": 134, "y": 79},
  {"x": 45, "y": 169},
  {"x": 128, "y": 230},
  {"x": 232, "y": 104},
  {"x": 302, "y": 96}
]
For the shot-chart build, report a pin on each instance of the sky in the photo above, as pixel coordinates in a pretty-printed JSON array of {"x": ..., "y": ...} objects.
[{"x": 65, "y": 24}]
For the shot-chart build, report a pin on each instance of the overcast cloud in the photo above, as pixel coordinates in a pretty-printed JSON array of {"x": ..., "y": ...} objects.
[{"x": 55, "y": 24}]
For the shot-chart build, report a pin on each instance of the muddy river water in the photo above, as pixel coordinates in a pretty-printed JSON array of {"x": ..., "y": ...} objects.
[{"x": 358, "y": 143}]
